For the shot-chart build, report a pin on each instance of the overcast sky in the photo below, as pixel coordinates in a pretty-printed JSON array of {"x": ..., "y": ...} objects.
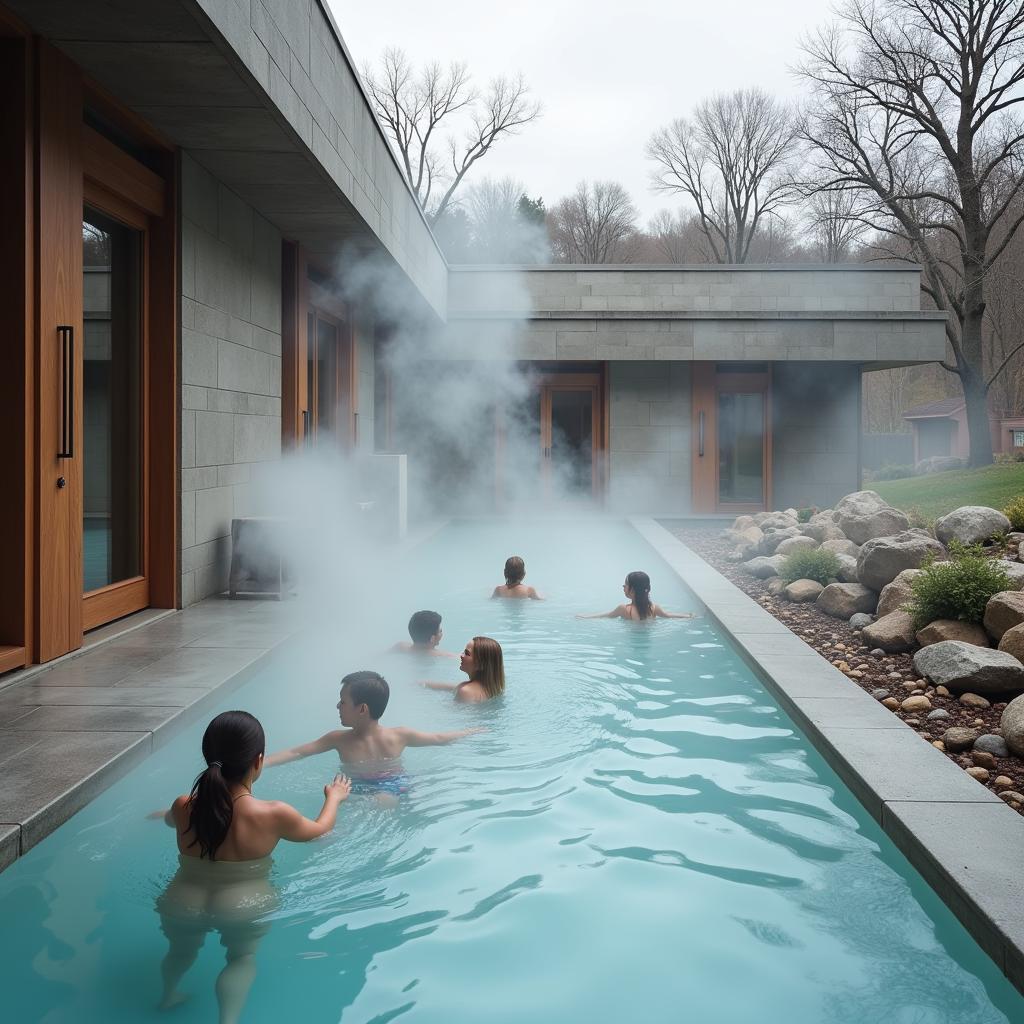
[{"x": 608, "y": 74}]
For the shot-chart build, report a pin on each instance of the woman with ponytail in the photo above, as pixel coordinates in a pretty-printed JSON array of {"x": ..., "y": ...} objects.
[
  {"x": 225, "y": 838},
  {"x": 640, "y": 607}
]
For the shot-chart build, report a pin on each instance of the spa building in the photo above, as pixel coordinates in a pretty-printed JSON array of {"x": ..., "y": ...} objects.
[{"x": 189, "y": 187}]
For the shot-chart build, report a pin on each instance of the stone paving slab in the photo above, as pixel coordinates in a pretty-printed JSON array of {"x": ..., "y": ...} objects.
[
  {"x": 67, "y": 731},
  {"x": 60, "y": 774},
  {"x": 10, "y": 842},
  {"x": 963, "y": 853},
  {"x": 956, "y": 833}
]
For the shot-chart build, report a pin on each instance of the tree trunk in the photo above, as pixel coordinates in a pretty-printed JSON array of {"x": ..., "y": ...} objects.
[{"x": 976, "y": 399}]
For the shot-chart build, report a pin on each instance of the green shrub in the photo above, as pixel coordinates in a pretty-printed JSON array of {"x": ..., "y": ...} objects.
[
  {"x": 893, "y": 473},
  {"x": 1015, "y": 513},
  {"x": 811, "y": 564},
  {"x": 919, "y": 521},
  {"x": 957, "y": 589},
  {"x": 803, "y": 515}
]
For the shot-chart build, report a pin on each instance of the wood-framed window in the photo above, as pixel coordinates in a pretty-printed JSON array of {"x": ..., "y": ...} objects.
[{"x": 319, "y": 371}]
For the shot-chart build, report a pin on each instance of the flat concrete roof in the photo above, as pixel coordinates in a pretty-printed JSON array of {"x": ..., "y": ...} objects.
[{"x": 599, "y": 268}]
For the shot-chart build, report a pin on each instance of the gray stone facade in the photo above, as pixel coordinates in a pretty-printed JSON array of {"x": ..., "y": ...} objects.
[
  {"x": 815, "y": 433},
  {"x": 649, "y": 437},
  {"x": 230, "y": 369}
]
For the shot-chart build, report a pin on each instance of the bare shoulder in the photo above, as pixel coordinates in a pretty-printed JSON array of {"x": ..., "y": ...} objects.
[{"x": 470, "y": 693}]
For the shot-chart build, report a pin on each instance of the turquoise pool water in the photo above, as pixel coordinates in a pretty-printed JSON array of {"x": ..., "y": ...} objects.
[{"x": 640, "y": 835}]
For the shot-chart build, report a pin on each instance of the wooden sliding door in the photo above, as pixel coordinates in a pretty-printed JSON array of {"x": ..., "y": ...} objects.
[{"x": 106, "y": 395}]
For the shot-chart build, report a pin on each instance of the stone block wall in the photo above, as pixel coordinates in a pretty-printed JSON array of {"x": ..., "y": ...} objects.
[
  {"x": 766, "y": 288},
  {"x": 816, "y": 433},
  {"x": 230, "y": 370},
  {"x": 650, "y": 437}
]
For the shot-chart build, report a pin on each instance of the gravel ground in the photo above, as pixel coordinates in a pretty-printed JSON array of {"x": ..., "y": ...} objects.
[{"x": 835, "y": 640}]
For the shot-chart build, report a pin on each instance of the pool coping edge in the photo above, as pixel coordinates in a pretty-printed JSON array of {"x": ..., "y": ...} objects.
[{"x": 987, "y": 902}]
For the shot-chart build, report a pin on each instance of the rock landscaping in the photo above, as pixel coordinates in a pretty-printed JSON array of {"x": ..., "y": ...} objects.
[{"x": 869, "y": 604}]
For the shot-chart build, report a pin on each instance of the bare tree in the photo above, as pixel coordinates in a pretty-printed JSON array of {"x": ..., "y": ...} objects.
[
  {"x": 415, "y": 106},
  {"x": 916, "y": 110},
  {"x": 673, "y": 238},
  {"x": 731, "y": 161},
  {"x": 500, "y": 231},
  {"x": 596, "y": 224},
  {"x": 834, "y": 223}
]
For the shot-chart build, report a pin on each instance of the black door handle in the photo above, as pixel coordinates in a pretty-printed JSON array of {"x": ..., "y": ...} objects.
[{"x": 67, "y": 398}]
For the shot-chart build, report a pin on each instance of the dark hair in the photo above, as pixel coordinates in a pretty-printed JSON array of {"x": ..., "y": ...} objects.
[
  {"x": 490, "y": 666},
  {"x": 231, "y": 743},
  {"x": 369, "y": 688},
  {"x": 640, "y": 584},
  {"x": 424, "y": 625},
  {"x": 515, "y": 570}
]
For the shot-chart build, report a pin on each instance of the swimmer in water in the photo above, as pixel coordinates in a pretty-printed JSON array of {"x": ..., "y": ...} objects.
[
  {"x": 368, "y": 749},
  {"x": 425, "y": 632},
  {"x": 225, "y": 837},
  {"x": 514, "y": 587},
  {"x": 640, "y": 607},
  {"x": 483, "y": 663}
]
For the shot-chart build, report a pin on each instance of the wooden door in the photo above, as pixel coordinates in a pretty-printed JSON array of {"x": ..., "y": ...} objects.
[
  {"x": 731, "y": 462},
  {"x": 570, "y": 437},
  {"x": 330, "y": 404}
]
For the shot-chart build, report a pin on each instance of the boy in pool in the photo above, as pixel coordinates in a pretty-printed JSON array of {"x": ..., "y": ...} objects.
[
  {"x": 425, "y": 631},
  {"x": 514, "y": 587},
  {"x": 369, "y": 750}
]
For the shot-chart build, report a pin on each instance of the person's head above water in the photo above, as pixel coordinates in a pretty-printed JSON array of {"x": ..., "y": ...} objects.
[
  {"x": 638, "y": 590},
  {"x": 363, "y": 695},
  {"x": 233, "y": 747},
  {"x": 515, "y": 571},
  {"x": 483, "y": 663},
  {"x": 425, "y": 628}
]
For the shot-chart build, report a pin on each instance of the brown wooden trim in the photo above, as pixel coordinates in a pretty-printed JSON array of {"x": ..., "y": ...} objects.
[
  {"x": 58, "y": 208},
  {"x": 18, "y": 379},
  {"x": 293, "y": 330},
  {"x": 114, "y": 602},
  {"x": 164, "y": 402},
  {"x": 707, "y": 385},
  {"x": 12, "y": 658},
  {"x": 127, "y": 121},
  {"x": 11, "y": 26},
  {"x": 106, "y": 164}
]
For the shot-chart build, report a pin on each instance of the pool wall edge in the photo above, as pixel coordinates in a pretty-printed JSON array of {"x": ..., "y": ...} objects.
[{"x": 962, "y": 840}]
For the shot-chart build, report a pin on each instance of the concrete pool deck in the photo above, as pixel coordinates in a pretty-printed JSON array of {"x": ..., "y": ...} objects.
[
  {"x": 71, "y": 728},
  {"x": 960, "y": 837}
]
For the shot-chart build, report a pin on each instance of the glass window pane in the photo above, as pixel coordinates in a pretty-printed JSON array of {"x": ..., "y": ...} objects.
[
  {"x": 572, "y": 438},
  {"x": 112, "y": 401},
  {"x": 326, "y": 377},
  {"x": 741, "y": 448}
]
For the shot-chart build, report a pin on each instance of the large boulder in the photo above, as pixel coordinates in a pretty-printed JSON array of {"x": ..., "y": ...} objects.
[
  {"x": 967, "y": 668},
  {"x": 896, "y": 594},
  {"x": 791, "y": 544},
  {"x": 892, "y": 633},
  {"x": 841, "y": 600},
  {"x": 1015, "y": 570},
  {"x": 800, "y": 591},
  {"x": 743, "y": 523},
  {"x": 841, "y": 547},
  {"x": 763, "y": 568},
  {"x": 773, "y": 538},
  {"x": 882, "y": 559},
  {"x": 1003, "y": 611},
  {"x": 937, "y": 464},
  {"x": 747, "y": 542},
  {"x": 864, "y": 514},
  {"x": 952, "y": 629},
  {"x": 971, "y": 524},
  {"x": 774, "y": 520},
  {"x": 847, "y": 569},
  {"x": 1011, "y": 725},
  {"x": 822, "y": 532},
  {"x": 1012, "y": 642}
]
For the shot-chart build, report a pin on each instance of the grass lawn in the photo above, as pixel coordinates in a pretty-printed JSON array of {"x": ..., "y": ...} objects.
[{"x": 939, "y": 493}]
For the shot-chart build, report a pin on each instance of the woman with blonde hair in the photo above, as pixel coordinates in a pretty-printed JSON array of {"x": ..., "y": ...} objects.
[{"x": 482, "y": 661}]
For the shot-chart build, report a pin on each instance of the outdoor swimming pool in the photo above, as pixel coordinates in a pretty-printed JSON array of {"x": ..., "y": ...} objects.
[{"x": 641, "y": 834}]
